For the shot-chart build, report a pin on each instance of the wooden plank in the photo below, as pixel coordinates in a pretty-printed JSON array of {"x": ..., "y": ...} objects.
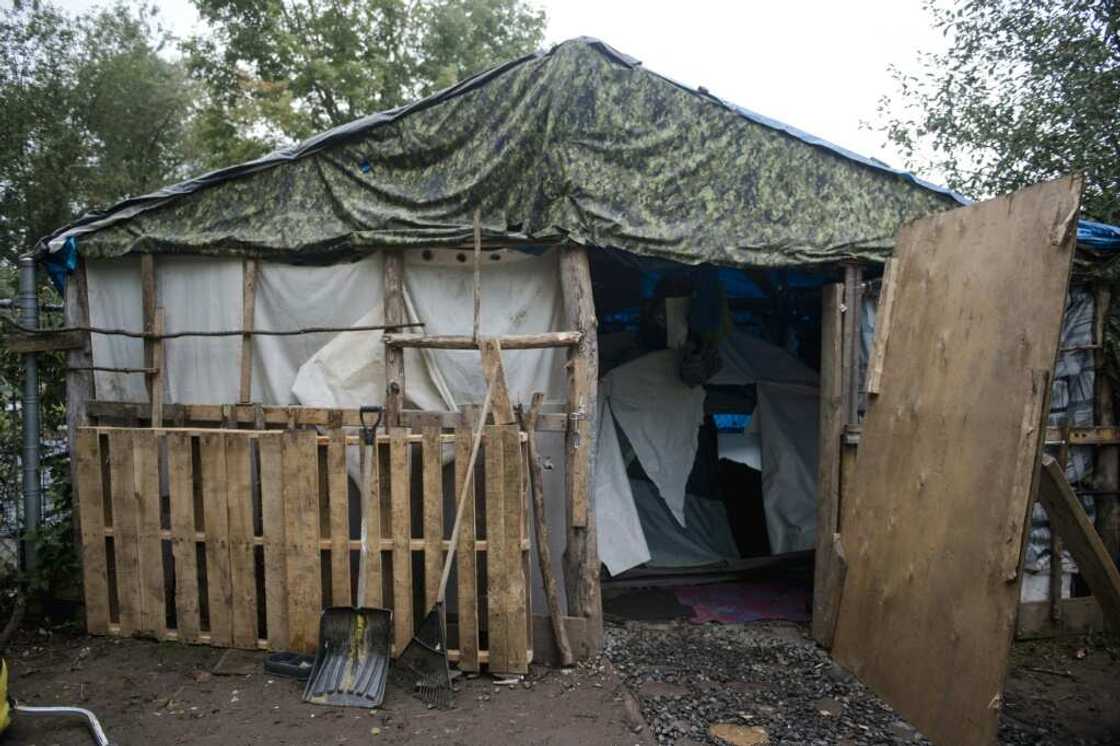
[
  {"x": 882, "y": 330},
  {"x": 827, "y": 581},
  {"x": 394, "y": 313},
  {"x": 47, "y": 341},
  {"x": 492, "y": 368},
  {"x": 466, "y": 561},
  {"x": 273, "y": 524},
  {"x": 369, "y": 567},
  {"x": 126, "y": 531},
  {"x": 95, "y": 581},
  {"x": 542, "y": 340},
  {"x": 516, "y": 608},
  {"x": 1080, "y": 616},
  {"x": 853, "y": 292},
  {"x": 215, "y": 516},
  {"x": 338, "y": 495},
  {"x": 928, "y": 606},
  {"x": 153, "y": 604},
  {"x": 280, "y": 416},
  {"x": 301, "y": 532},
  {"x": 243, "y": 573},
  {"x": 159, "y": 363},
  {"x": 180, "y": 482},
  {"x": 400, "y": 473},
  {"x": 497, "y": 600},
  {"x": 79, "y": 381},
  {"x": 581, "y": 556},
  {"x": 1081, "y": 539},
  {"x": 1107, "y": 470},
  {"x": 249, "y": 269},
  {"x": 432, "y": 454}
]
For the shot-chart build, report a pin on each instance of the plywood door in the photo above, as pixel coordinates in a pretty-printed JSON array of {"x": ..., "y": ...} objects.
[{"x": 933, "y": 524}]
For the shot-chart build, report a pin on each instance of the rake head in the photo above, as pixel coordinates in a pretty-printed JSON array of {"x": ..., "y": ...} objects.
[{"x": 422, "y": 666}]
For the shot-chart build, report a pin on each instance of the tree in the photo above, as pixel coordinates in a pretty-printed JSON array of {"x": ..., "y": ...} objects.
[
  {"x": 281, "y": 70},
  {"x": 92, "y": 113},
  {"x": 1027, "y": 91}
]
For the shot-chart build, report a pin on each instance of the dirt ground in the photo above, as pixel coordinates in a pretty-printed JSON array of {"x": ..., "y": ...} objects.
[{"x": 1059, "y": 692}]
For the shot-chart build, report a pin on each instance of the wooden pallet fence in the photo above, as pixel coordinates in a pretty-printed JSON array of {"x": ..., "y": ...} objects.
[{"x": 239, "y": 538}]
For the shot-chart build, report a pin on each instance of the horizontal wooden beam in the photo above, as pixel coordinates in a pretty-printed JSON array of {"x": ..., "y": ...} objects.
[
  {"x": 1084, "y": 436},
  {"x": 1079, "y": 616},
  {"x": 44, "y": 342},
  {"x": 350, "y": 440},
  {"x": 283, "y": 416},
  {"x": 466, "y": 342}
]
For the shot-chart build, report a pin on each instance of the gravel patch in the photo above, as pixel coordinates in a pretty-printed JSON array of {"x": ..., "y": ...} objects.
[{"x": 687, "y": 678}]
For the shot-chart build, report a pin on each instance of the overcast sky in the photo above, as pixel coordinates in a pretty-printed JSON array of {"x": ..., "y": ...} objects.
[{"x": 819, "y": 65}]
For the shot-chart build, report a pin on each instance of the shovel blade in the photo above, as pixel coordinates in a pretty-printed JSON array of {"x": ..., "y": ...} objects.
[{"x": 353, "y": 658}]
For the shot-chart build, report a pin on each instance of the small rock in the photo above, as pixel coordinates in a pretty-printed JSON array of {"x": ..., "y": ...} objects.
[{"x": 739, "y": 735}]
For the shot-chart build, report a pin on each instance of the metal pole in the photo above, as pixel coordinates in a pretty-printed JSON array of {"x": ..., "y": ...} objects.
[{"x": 32, "y": 486}]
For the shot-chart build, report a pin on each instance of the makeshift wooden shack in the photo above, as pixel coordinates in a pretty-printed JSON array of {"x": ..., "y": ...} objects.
[{"x": 216, "y": 471}]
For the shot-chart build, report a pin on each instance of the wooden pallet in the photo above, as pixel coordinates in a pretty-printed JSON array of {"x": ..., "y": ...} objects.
[{"x": 239, "y": 538}]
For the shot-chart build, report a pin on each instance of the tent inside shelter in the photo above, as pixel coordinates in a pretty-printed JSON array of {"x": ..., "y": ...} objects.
[{"x": 705, "y": 472}]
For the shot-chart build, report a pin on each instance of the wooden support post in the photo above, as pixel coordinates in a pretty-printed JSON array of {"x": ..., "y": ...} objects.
[
  {"x": 828, "y": 573},
  {"x": 156, "y": 379},
  {"x": 248, "y": 302},
  {"x": 148, "y": 299},
  {"x": 79, "y": 379},
  {"x": 1056, "y": 548},
  {"x": 1068, "y": 518},
  {"x": 394, "y": 356},
  {"x": 581, "y": 557},
  {"x": 882, "y": 331},
  {"x": 477, "y": 274},
  {"x": 853, "y": 294},
  {"x": 492, "y": 368},
  {"x": 1108, "y": 457}
]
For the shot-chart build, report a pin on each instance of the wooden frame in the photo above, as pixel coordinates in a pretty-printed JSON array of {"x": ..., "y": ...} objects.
[{"x": 143, "y": 579}]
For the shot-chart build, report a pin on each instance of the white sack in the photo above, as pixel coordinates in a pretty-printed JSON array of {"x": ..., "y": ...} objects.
[
  {"x": 622, "y": 543},
  {"x": 661, "y": 417},
  {"x": 787, "y": 418}
]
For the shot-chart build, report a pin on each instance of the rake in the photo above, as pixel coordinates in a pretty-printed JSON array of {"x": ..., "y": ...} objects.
[{"x": 423, "y": 665}]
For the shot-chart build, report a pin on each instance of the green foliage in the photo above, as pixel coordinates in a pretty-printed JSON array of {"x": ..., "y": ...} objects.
[
  {"x": 1027, "y": 91},
  {"x": 92, "y": 113},
  {"x": 282, "y": 70}
]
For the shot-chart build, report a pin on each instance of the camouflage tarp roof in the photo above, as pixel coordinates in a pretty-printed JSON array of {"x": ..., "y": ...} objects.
[{"x": 579, "y": 142}]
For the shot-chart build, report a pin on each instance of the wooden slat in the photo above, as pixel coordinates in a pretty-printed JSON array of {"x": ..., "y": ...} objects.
[
  {"x": 369, "y": 567},
  {"x": 148, "y": 311},
  {"x": 243, "y": 576},
  {"x": 543, "y": 340},
  {"x": 302, "y": 531},
  {"x": 48, "y": 341},
  {"x": 882, "y": 330},
  {"x": 273, "y": 523},
  {"x": 126, "y": 531},
  {"x": 248, "y": 302},
  {"x": 247, "y": 414},
  {"x": 513, "y": 557},
  {"x": 95, "y": 583},
  {"x": 180, "y": 482},
  {"x": 153, "y": 604},
  {"x": 827, "y": 578},
  {"x": 338, "y": 495},
  {"x": 466, "y": 561},
  {"x": 401, "y": 530},
  {"x": 1081, "y": 539},
  {"x": 496, "y": 579},
  {"x": 934, "y": 522},
  {"x": 432, "y": 451},
  {"x": 215, "y": 512},
  {"x": 494, "y": 371}
]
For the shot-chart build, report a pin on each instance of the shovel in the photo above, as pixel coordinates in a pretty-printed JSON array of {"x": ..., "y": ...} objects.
[
  {"x": 353, "y": 656},
  {"x": 422, "y": 666}
]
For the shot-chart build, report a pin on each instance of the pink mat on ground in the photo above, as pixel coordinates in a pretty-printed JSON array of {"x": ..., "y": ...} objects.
[{"x": 736, "y": 603}]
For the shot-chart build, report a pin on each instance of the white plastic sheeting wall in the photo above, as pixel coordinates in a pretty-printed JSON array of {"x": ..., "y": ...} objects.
[{"x": 520, "y": 295}]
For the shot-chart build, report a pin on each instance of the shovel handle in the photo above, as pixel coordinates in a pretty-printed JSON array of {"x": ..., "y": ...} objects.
[{"x": 467, "y": 482}]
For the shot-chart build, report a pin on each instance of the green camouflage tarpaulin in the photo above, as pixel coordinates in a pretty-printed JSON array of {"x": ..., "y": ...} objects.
[{"x": 579, "y": 142}]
